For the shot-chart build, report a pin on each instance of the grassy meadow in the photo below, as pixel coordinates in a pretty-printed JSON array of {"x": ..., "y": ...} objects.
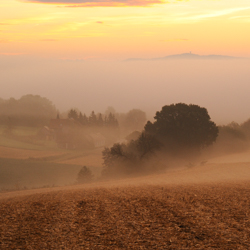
[{"x": 27, "y": 162}]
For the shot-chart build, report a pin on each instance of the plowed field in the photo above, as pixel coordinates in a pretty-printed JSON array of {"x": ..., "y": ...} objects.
[
  {"x": 204, "y": 207},
  {"x": 211, "y": 216}
]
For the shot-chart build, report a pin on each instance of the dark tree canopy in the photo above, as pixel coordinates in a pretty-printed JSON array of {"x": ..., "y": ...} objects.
[{"x": 180, "y": 126}]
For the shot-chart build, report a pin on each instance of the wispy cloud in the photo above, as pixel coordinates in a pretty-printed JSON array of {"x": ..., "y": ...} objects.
[
  {"x": 241, "y": 18},
  {"x": 98, "y": 3},
  {"x": 209, "y": 14}
]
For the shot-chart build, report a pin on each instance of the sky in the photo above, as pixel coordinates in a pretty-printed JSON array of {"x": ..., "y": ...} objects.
[
  {"x": 107, "y": 29},
  {"x": 73, "y": 52}
]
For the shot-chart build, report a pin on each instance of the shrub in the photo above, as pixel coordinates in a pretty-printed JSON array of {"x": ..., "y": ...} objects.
[{"x": 85, "y": 175}]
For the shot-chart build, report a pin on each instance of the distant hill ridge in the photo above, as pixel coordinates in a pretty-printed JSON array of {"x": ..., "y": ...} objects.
[{"x": 187, "y": 56}]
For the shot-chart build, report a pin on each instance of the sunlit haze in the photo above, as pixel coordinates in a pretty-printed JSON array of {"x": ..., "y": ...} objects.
[{"x": 74, "y": 53}]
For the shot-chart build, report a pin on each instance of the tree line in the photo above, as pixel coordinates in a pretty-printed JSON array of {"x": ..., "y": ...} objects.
[
  {"x": 94, "y": 120},
  {"x": 29, "y": 110}
]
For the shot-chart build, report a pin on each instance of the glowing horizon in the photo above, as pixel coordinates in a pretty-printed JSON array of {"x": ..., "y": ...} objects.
[{"x": 121, "y": 29}]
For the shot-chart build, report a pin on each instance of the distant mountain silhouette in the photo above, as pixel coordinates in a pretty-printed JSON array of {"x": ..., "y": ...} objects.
[{"x": 186, "y": 56}]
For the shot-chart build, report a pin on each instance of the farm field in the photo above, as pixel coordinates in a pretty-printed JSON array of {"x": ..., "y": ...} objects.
[
  {"x": 27, "y": 163},
  {"x": 204, "y": 207},
  {"x": 199, "y": 207},
  {"x": 214, "y": 216}
]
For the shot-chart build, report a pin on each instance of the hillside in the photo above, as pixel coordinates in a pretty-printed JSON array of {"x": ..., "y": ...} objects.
[{"x": 204, "y": 207}]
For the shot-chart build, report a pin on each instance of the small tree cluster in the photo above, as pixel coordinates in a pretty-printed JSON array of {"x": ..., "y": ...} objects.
[
  {"x": 232, "y": 138},
  {"x": 129, "y": 158}
]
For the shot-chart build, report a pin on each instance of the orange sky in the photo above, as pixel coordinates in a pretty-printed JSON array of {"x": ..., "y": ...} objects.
[{"x": 69, "y": 29}]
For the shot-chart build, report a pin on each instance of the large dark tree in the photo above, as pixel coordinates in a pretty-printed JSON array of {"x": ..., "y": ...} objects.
[
  {"x": 180, "y": 126},
  {"x": 179, "y": 130}
]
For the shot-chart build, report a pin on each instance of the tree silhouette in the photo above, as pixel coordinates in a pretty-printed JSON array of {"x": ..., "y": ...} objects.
[
  {"x": 178, "y": 129},
  {"x": 100, "y": 121},
  {"x": 73, "y": 114},
  {"x": 181, "y": 126},
  {"x": 92, "y": 119}
]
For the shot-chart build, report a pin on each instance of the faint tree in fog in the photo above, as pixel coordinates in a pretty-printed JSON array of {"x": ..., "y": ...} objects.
[
  {"x": 85, "y": 175},
  {"x": 246, "y": 127},
  {"x": 100, "y": 121},
  {"x": 83, "y": 119},
  {"x": 29, "y": 110},
  {"x": 232, "y": 138},
  {"x": 92, "y": 119},
  {"x": 110, "y": 110},
  {"x": 73, "y": 114},
  {"x": 111, "y": 121},
  {"x": 135, "y": 119}
]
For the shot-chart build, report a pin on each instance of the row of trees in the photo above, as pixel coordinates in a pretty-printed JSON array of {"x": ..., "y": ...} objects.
[
  {"x": 134, "y": 119},
  {"x": 178, "y": 130},
  {"x": 232, "y": 138},
  {"x": 94, "y": 120},
  {"x": 34, "y": 110}
]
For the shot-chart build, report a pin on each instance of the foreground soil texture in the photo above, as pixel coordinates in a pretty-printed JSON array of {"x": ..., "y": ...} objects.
[{"x": 188, "y": 216}]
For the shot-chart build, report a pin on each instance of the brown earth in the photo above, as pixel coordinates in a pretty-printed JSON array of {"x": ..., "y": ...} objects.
[{"x": 205, "y": 207}]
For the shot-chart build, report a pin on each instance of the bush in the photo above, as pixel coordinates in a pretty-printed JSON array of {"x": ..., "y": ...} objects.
[{"x": 85, "y": 175}]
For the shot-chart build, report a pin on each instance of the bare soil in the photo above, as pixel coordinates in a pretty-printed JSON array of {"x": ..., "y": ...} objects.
[
  {"x": 203, "y": 207},
  {"x": 121, "y": 215}
]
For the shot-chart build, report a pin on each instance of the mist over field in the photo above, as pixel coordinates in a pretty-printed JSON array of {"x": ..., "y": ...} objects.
[
  {"x": 78, "y": 169},
  {"x": 221, "y": 86},
  {"x": 124, "y": 124}
]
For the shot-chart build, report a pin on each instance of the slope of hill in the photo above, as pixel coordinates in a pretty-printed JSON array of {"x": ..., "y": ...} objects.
[{"x": 204, "y": 207}]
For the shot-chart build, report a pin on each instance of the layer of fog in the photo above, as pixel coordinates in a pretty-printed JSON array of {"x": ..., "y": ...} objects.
[
  {"x": 209, "y": 174},
  {"x": 221, "y": 86}
]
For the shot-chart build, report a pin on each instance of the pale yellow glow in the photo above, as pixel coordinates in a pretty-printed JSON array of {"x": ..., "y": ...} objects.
[{"x": 217, "y": 27}]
